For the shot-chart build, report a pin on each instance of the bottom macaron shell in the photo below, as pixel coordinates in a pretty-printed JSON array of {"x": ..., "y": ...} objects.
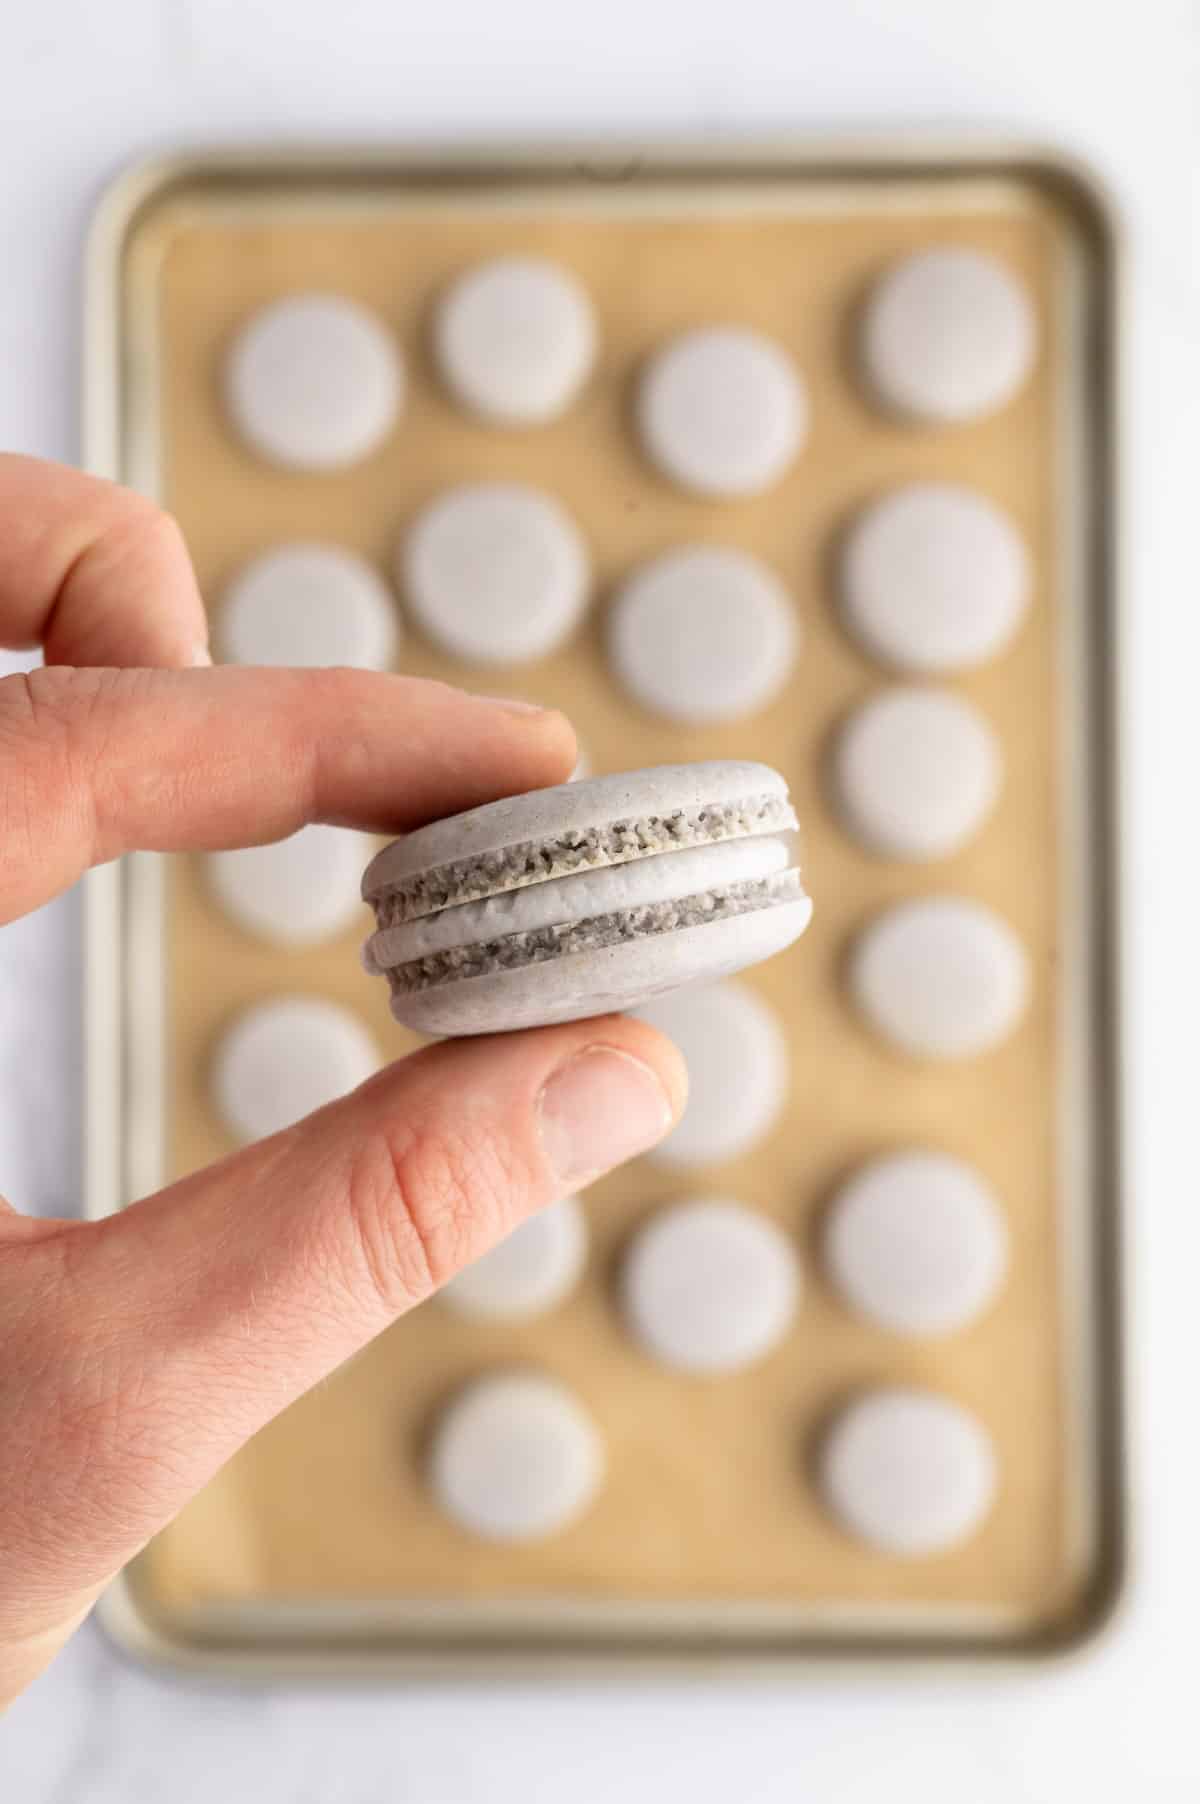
[{"x": 600, "y": 982}]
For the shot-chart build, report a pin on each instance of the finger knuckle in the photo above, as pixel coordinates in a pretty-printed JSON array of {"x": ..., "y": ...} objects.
[
  {"x": 54, "y": 741},
  {"x": 420, "y": 1206},
  {"x": 41, "y": 704},
  {"x": 40, "y": 712},
  {"x": 58, "y": 704}
]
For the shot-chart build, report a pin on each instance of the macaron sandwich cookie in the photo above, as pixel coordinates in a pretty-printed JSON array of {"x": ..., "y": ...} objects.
[{"x": 590, "y": 897}]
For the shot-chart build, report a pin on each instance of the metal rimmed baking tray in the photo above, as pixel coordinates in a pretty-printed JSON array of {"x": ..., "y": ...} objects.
[{"x": 180, "y": 251}]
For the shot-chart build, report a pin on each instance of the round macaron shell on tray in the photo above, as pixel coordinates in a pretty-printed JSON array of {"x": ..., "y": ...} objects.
[{"x": 679, "y": 1489}]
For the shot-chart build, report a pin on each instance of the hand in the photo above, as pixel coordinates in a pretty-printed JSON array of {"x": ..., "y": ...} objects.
[{"x": 138, "y": 1353}]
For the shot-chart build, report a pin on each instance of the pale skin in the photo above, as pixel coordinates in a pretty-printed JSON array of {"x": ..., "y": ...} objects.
[{"x": 138, "y": 1353}]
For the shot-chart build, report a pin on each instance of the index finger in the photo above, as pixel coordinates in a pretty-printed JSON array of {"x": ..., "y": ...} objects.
[
  {"x": 93, "y": 572},
  {"x": 94, "y": 763}
]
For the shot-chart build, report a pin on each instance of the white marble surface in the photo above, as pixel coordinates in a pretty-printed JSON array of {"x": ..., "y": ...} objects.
[{"x": 87, "y": 87}]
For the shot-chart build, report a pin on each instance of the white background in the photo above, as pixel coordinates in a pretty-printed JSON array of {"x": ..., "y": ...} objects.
[{"x": 88, "y": 86}]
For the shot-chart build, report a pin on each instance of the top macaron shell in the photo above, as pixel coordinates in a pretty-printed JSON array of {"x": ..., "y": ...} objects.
[
  {"x": 495, "y": 572},
  {"x": 737, "y": 1060},
  {"x": 940, "y": 977},
  {"x": 314, "y": 382},
  {"x": 948, "y": 336},
  {"x": 915, "y": 771},
  {"x": 514, "y": 1456},
  {"x": 934, "y": 578},
  {"x": 309, "y": 604},
  {"x": 293, "y": 892},
  {"x": 703, "y": 634},
  {"x": 709, "y": 1286},
  {"x": 551, "y": 814},
  {"x": 530, "y": 1271},
  {"x": 722, "y": 411},
  {"x": 515, "y": 340}
]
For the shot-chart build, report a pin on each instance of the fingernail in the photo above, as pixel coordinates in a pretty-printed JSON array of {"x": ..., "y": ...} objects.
[
  {"x": 600, "y": 1108},
  {"x": 512, "y": 703},
  {"x": 201, "y": 657}
]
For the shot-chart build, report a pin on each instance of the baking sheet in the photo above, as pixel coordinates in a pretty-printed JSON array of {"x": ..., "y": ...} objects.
[{"x": 707, "y": 1526}]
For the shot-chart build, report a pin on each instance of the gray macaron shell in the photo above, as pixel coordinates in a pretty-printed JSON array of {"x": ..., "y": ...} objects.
[
  {"x": 549, "y": 814},
  {"x": 601, "y": 981}
]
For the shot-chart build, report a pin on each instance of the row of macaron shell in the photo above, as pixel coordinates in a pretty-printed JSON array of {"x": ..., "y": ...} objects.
[
  {"x": 915, "y": 1242},
  {"x": 316, "y": 381},
  {"x": 515, "y": 1456},
  {"x": 934, "y": 580},
  {"x": 709, "y": 1287},
  {"x": 940, "y": 976}
]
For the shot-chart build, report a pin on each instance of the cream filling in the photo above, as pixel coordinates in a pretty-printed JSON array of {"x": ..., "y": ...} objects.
[
  {"x": 582, "y": 849},
  {"x": 516, "y": 951},
  {"x": 644, "y": 882}
]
